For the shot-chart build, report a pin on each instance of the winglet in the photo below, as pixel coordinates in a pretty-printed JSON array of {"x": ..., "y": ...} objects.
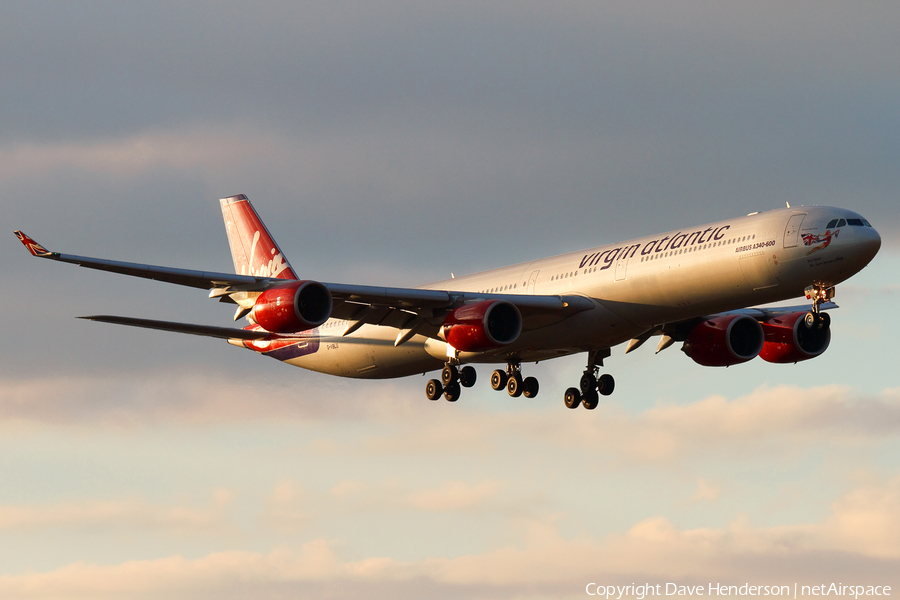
[{"x": 33, "y": 247}]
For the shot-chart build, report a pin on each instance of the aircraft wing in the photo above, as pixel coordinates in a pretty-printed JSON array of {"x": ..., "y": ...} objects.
[
  {"x": 362, "y": 304},
  {"x": 678, "y": 331},
  {"x": 768, "y": 312},
  {"x": 197, "y": 279}
]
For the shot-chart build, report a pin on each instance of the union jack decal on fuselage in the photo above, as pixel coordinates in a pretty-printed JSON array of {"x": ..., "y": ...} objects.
[{"x": 824, "y": 240}]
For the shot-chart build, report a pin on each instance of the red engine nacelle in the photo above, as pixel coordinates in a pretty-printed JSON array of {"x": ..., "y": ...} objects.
[
  {"x": 298, "y": 306},
  {"x": 483, "y": 326},
  {"x": 723, "y": 341},
  {"x": 789, "y": 338}
]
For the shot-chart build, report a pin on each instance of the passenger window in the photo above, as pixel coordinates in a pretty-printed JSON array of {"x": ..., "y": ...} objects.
[{"x": 831, "y": 224}]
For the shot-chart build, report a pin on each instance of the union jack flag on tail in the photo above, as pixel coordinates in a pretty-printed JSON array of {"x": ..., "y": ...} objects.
[{"x": 33, "y": 247}]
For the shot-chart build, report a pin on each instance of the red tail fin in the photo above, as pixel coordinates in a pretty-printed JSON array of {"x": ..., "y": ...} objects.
[{"x": 252, "y": 247}]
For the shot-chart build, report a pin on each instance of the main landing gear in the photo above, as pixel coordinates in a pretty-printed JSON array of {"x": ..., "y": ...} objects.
[
  {"x": 587, "y": 394},
  {"x": 591, "y": 387},
  {"x": 512, "y": 380},
  {"x": 452, "y": 379}
]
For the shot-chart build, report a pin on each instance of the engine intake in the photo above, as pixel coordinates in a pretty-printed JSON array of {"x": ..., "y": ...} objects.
[
  {"x": 725, "y": 340},
  {"x": 298, "y": 306},
  {"x": 790, "y": 340},
  {"x": 483, "y": 326}
]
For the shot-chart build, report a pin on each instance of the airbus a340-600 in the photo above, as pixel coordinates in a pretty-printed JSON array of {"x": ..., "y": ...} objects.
[{"x": 693, "y": 286}]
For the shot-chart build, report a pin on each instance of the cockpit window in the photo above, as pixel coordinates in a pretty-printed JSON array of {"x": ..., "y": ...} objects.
[
  {"x": 855, "y": 222},
  {"x": 841, "y": 223},
  {"x": 831, "y": 224}
]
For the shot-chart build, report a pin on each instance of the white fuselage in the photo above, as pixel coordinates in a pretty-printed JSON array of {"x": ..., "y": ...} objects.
[{"x": 634, "y": 286}]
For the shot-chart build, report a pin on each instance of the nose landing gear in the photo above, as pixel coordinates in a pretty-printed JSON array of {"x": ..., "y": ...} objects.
[{"x": 819, "y": 294}]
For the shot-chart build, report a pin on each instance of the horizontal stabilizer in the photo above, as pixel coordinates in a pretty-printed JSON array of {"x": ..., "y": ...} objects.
[{"x": 207, "y": 330}]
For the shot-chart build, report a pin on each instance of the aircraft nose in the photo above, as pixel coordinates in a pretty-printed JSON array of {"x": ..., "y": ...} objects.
[{"x": 869, "y": 242}]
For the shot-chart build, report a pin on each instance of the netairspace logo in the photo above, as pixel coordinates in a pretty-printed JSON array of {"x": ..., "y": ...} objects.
[{"x": 617, "y": 592}]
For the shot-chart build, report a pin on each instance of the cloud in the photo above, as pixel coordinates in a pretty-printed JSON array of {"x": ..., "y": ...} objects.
[
  {"x": 131, "y": 156},
  {"x": 705, "y": 492},
  {"x": 130, "y": 512},
  {"x": 859, "y": 541},
  {"x": 453, "y": 496},
  {"x": 189, "y": 399},
  {"x": 786, "y": 416},
  {"x": 291, "y": 507},
  {"x": 288, "y": 507},
  {"x": 781, "y": 415}
]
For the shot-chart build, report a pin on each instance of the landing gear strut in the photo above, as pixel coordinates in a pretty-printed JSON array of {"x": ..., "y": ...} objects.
[{"x": 591, "y": 387}]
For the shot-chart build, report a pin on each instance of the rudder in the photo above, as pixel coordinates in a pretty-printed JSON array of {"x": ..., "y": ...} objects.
[{"x": 253, "y": 248}]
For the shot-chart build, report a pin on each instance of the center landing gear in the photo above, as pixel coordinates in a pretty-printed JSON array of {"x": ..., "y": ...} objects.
[
  {"x": 591, "y": 387},
  {"x": 452, "y": 379},
  {"x": 512, "y": 380}
]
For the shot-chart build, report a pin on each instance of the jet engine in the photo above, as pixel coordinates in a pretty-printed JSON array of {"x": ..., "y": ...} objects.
[
  {"x": 724, "y": 340},
  {"x": 482, "y": 326},
  {"x": 298, "y": 306},
  {"x": 791, "y": 338}
]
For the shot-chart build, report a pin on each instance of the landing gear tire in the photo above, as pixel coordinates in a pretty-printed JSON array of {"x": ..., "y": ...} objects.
[
  {"x": 824, "y": 320},
  {"x": 606, "y": 384},
  {"x": 449, "y": 374},
  {"x": 498, "y": 380},
  {"x": 514, "y": 385},
  {"x": 451, "y": 392},
  {"x": 572, "y": 398},
  {"x": 530, "y": 387},
  {"x": 588, "y": 382},
  {"x": 433, "y": 389},
  {"x": 590, "y": 400},
  {"x": 809, "y": 320},
  {"x": 467, "y": 376}
]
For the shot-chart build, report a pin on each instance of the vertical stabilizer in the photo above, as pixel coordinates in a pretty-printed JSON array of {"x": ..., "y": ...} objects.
[{"x": 253, "y": 249}]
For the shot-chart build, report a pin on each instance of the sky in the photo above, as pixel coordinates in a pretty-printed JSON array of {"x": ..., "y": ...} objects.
[{"x": 393, "y": 143}]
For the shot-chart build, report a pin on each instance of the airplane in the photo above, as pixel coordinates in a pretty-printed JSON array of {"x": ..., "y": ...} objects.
[{"x": 692, "y": 285}]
